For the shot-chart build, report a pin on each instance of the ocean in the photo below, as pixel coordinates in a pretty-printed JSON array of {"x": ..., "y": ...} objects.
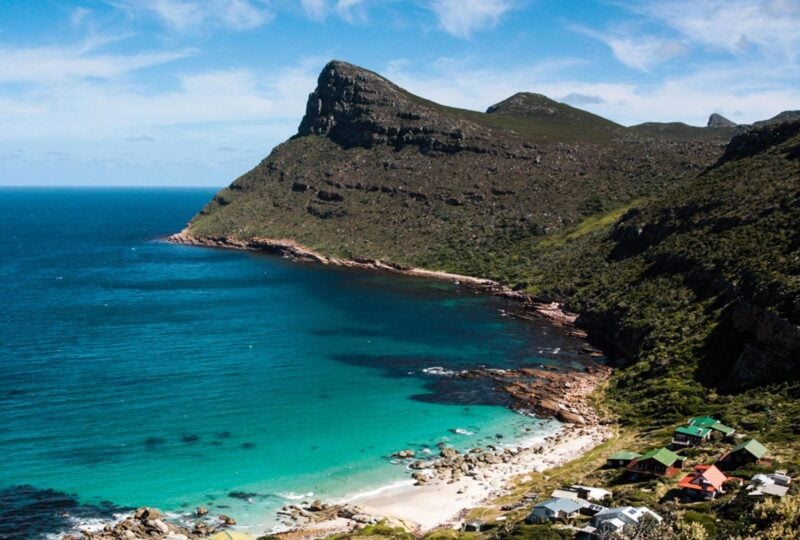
[{"x": 135, "y": 372}]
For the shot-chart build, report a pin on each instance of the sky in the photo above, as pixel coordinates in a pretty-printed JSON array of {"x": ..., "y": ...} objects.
[{"x": 195, "y": 93}]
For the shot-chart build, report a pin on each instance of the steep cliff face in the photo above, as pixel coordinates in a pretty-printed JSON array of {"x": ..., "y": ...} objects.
[
  {"x": 358, "y": 108},
  {"x": 376, "y": 172}
]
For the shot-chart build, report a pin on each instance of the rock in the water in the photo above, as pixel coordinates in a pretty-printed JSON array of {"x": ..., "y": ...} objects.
[{"x": 227, "y": 520}]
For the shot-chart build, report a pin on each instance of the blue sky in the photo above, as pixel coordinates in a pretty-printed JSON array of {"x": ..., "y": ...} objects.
[{"x": 187, "y": 93}]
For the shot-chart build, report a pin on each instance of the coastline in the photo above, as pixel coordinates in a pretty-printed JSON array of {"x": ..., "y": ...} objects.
[
  {"x": 443, "y": 492},
  {"x": 443, "y": 500},
  {"x": 297, "y": 252},
  {"x": 444, "y": 503},
  {"x": 440, "y": 503}
]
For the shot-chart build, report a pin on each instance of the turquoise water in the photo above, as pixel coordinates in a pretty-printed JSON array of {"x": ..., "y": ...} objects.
[{"x": 136, "y": 372}]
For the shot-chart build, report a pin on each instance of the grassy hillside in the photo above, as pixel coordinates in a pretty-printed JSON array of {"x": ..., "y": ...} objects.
[{"x": 376, "y": 172}]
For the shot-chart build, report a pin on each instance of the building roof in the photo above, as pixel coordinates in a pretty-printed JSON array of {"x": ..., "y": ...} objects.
[
  {"x": 722, "y": 428},
  {"x": 558, "y": 504},
  {"x": 625, "y": 515},
  {"x": 702, "y": 421},
  {"x": 706, "y": 421},
  {"x": 775, "y": 490},
  {"x": 624, "y": 455},
  {"x": 711, "y": 423},
  {"x": 592, "y": 493},
  {"x": 564, "y": 494},
  {"x": 662, "y": 455},
  {"x": 752, "y": 447},
  {"x": 703, "y": 478},
  {"x": 694, "y": 431}
]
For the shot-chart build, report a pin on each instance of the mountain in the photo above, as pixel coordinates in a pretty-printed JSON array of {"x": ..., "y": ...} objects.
[
  {"x": 680, "y": 252},
  {"x": 376, "y": 172},
  {"x": 785, "y": 116},
  {"x": 684, "y": 132},
  {"x": 719, "y": 121},
  {"x": 701, "y": 285}
]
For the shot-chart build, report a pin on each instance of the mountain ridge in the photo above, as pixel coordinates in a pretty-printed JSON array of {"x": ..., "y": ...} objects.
[
  {"x": 677, "y": 246},
  {"x": 378, "y": 162}
]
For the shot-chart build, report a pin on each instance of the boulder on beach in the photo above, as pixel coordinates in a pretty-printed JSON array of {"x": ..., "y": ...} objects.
[{"x": 227, "y": 520}]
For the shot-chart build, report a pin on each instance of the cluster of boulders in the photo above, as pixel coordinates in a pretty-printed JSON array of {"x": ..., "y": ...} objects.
[
  {"x": 149, "y": 523},
  {"x": 451, "y": 465},
  {"x": 316, "y": 512}
]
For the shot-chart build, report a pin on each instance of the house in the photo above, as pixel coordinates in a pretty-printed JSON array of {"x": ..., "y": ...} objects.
[
  {"x": 691, "y": 436},
  {"x": 713, "y": 424},
  {"x": 554, "y": 509},
  {"x": 614, "y": 520},
  {"x": 658, "y": 462},
  {"x": 591, "y": 493},
  {"x": 704, "y": 482},
  {"x": 588, "y": 508},
  {"x": 621, "y": 459},
  {"x": 747, "y": 452},
  {"x": 775, "y": 484},
  {"x": 587, "y": 497}
]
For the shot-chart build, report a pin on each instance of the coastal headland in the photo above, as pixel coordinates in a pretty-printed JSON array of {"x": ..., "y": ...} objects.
[{"x": 671, "y": 248}]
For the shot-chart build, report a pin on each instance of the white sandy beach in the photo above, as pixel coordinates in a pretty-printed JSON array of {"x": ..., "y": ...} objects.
[{"x": 443, "y": 503}]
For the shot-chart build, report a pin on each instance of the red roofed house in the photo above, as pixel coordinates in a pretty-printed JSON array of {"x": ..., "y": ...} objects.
[{"x": 705, "y": 481}]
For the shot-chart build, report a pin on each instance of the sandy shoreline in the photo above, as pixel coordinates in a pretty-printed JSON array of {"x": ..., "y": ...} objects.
[
  {"x": 441, "y": 503},
  {"x": 444, "y": 503}
]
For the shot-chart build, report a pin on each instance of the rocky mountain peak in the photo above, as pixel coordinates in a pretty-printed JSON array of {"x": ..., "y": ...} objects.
[
  {"x": 525, "y": 104},
  {"x": 355, "y": 107},
  {"x": 719, "y": 121},
  {"x": 344, "y": 92}
]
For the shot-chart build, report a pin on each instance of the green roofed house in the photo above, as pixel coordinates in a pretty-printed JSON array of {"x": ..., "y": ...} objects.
[
  {"x": 742, "y": 454},
  {"x": 691, "y": 436},
  {"x": 713, "y": 424},
  {"x": 622, "y": 458},
  {"x": 658, "y": 462}
]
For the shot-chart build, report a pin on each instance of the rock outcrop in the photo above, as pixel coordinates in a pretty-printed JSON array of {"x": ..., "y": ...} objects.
[{"x": 719, "y": 121}]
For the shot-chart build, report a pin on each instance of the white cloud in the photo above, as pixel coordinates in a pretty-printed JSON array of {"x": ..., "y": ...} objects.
[
  {"x": 57, "y": 63},
  {"x": 637, "y": 52},
  {"x": 315, "y": 9},
  {"x": 462, "y": 18},
  {"x": 78, "y": 15},
  {"x": 771, "y": 26},
  {"x": 91, "y": 107},
  {"x": 352, "y": 11},
  {"x": 186, "y": 15},
  {"x": 140, "y": 138}
]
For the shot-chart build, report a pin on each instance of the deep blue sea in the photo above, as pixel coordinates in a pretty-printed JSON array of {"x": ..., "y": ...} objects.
[{"x": 137, "y": 372}]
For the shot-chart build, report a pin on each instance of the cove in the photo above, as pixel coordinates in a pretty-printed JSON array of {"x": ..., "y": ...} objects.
[{"x": 137, "y": 372}]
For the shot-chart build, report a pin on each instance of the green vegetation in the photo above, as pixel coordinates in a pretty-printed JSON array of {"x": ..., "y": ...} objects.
[{"x": 689, "y": 274}]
